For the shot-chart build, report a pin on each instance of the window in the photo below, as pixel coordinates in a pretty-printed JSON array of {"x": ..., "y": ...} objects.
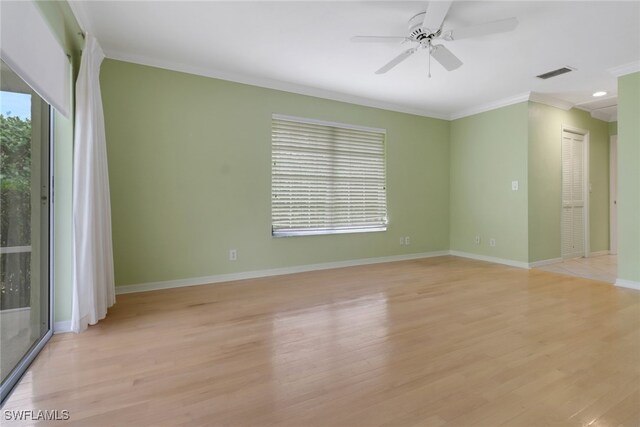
[{"x": 326, "y": 178}]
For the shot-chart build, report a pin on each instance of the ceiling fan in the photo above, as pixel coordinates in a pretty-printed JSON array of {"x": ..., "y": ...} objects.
[{"x": 426, "y": 27}]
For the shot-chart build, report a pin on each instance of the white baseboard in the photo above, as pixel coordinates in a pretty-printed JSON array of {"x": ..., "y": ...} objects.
[
  {"x": 194, "y": 281},
  {"x": 509, "y": 262},
  {"x": 598, "y": 253},
  {"x": 631, "y": 284},
  {"x": 62, "y": 327},
  {"x": 544, "y": 262}
]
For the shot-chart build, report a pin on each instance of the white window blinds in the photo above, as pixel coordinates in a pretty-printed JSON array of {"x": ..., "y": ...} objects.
[
  {"x": 326, "y": 178},
  {"x": 31, "y": 50}
]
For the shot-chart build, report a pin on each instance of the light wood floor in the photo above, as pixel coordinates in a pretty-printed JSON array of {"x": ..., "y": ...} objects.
[{"x": 435, "y": 342}]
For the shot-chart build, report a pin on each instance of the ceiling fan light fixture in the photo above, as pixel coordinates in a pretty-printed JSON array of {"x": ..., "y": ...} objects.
[
  {"x": 599, "y": 94},
  {"x": 427, "y": 27}
]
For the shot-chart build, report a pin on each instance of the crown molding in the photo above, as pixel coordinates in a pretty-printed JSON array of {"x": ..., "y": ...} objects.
[
  {"x": 541, "y": 98},
  {"x": 341, "y": 97},
  {"x": 599, "y": 114},
  {"x": 270, "y": 84},
  {"x": 504, "y": 102},
  {"x": 605, "y": 117},
  {"x": 311, "y": 91},
  {"x": 585, "y": 105},
  {"x": 83, "y": 18},
  {"x": 623, "y": 70}
]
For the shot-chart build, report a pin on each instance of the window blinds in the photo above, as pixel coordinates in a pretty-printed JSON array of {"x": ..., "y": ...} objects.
[
  {"x": 326, "y": 178},
  {"x": 32, "y": 51}
]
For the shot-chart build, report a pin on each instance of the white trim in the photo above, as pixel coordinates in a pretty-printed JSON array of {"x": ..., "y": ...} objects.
[
  {"x": 599, "y": 253},
  {"x": 219, "y": 278},
  {"x": 605, "y": 117},
  {"x": 83, "y": 18},
  {"x": 14, "y": 310},
  {"x": 584, "y": 105},
  {"x": 335, "y": 96},
  {"x": 613, "y": 191},
  {"x": 270, "y": 84},
  {"x": 631, "y": 284},
  {"x": 541, "y": 98},
  {"x": 523, "y": 97},
  {"x": 623, "y": 70},
  {"x": 62, "y": 327},
  {"x": 544, "y": 262},
  {"x": 15, "y": 249},
  {"x": 296, "y": 119},
  {"x": 586, "y": 177},
  {"x": 495, "y": 260},
  {"x": 331, "y": 95}
]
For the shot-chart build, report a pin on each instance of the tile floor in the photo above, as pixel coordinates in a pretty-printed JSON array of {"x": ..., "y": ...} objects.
[{"x": 602, "y": 267}]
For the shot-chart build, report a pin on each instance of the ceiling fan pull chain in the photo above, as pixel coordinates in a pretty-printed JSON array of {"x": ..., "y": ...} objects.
[{"x": 429, "y": 52}]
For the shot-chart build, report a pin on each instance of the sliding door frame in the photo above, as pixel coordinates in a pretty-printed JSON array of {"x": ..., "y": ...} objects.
[{"x": 16, "y": 374}]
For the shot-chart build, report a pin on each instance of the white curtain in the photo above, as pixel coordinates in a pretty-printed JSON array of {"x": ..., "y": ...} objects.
[{"x": 93, "y": 281}]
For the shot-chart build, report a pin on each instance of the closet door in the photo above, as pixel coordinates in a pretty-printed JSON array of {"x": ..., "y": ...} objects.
[{"x": 573, "y": 195}]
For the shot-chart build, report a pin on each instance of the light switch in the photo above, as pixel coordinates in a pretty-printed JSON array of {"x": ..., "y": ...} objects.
[{"x": 514, "y": 185}]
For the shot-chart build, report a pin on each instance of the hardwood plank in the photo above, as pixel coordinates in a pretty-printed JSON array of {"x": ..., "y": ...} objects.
[{"x": 442, "y": 341}]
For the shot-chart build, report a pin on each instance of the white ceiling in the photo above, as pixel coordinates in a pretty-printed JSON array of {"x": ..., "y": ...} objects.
[{"x": 304, "y": 47}]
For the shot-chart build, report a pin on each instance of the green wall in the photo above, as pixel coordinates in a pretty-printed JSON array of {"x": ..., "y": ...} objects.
[
  {"x": 189, "y": 164},
  {"x": 629, "y": 177},
  {"x": 545, "y": 178},
  {"x": 189, "y": 161},
  {"x": 488, "y": 152},
  {"x": 190, "y": 175},
  {"x": 62, "y": 22}
]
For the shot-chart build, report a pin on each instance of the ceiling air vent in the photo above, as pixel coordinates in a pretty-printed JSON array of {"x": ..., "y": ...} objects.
[{"x": 554, "y": 73}]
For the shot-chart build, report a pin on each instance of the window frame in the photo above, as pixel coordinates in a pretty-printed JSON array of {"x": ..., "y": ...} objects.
[{"x": 335, "y": 230}]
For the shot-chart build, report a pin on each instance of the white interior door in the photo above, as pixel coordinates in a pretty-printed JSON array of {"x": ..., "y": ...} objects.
[
  {"x": 573, "y": 195},
  {"x": 613, "y": 195}
]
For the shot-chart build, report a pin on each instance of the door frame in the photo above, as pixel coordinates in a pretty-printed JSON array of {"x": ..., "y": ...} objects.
[
  {"x": 47, "y": 161},
  {"x": 585, "y": 187},
  {"x": 613, "y": 194}
]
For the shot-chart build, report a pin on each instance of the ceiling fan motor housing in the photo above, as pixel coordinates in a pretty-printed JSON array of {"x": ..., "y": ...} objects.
[{"x": 419, "y": 34}]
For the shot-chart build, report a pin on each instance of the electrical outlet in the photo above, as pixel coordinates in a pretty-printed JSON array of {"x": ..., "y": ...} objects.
[
  {"x": 402, "y": 241},
  {"x": 407, "y": 240},
  {"x": 477, "y": 240},
  {"x": 233, "y": 255},
  {"x": 492, "y": 242},
  {"x": 514, "y": 185}
]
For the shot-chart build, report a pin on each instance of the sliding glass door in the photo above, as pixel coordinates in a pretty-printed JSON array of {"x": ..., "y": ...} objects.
[{"x": 25, "y": 292}]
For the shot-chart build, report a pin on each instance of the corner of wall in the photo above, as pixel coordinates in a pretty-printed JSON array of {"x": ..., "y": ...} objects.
[
  {"x": 489, "y": 153},
  {"x": 629, "y": 179}
]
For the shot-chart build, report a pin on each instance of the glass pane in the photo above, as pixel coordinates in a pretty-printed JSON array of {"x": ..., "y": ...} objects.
[{"x": 24, "y": 210}]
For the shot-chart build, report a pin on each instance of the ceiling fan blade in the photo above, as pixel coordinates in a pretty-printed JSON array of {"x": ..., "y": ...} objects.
[
  {"x": 436, "y": 12},
  {"x": 395, "y": 61},
  {"x": 444, "y": 56},
  {"x": 494, "y": 27},
  {"x": 378, "y": 39}
]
